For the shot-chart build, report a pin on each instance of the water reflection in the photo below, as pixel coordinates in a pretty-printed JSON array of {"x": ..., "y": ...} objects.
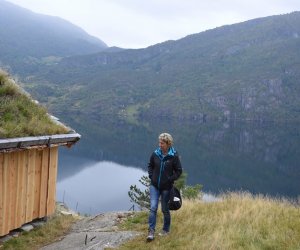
[
  {"x": 257, "y": 157},
  {"x": 99, "y": 187}
]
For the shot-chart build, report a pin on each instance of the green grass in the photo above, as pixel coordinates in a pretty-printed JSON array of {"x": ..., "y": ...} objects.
[
  {"x": 20, "y": 116},
  {"x": 55, "y": 228},
  {"x": 238, "y": 221}
]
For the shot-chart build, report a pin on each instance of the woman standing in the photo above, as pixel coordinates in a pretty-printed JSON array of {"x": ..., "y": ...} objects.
[{"x": 163, "y": 169}]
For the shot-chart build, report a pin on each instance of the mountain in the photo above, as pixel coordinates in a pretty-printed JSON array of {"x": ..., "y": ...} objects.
[
  {"x": 248, "y": 70},
  {"x": 30, "y": 38}
]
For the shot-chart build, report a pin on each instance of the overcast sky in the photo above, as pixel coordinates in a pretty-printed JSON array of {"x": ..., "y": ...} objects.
[{"x": 140, "y": 23}]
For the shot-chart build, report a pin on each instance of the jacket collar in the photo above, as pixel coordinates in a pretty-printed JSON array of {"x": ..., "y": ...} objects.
[{"x": 159, "y": 153}]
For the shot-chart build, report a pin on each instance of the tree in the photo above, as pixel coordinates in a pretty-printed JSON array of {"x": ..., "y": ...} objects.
[{"x": 142, "y": 198}]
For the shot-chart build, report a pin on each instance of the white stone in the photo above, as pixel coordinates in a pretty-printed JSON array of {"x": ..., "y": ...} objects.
[{"x": 27, "y": 227}]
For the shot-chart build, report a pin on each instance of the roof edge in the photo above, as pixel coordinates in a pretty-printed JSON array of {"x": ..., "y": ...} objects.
[{"x": 38, "y": 141}]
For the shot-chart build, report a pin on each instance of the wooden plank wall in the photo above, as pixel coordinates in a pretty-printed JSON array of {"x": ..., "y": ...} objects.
[{"x": 27, "y": 186}]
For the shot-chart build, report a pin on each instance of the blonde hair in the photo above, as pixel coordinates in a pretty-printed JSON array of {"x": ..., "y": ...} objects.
[{"x": 167, "y": 138}]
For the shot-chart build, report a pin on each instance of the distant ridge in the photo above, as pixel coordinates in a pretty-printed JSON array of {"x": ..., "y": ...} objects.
[{"x": 30, "y": 36}]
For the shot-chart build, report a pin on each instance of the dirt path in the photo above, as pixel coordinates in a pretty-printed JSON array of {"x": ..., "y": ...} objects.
[{"x": 98, "y": 232}]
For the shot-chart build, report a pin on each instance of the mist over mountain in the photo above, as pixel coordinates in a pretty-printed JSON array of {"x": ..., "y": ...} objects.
[
  {"x": 249, "y": 70},
  {"x": 30, "y": 38}
]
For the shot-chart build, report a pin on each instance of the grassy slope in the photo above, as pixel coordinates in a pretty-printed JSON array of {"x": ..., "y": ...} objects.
[
  {"x": 20, "y": 116},
  {"x": 238, "y": 221}
]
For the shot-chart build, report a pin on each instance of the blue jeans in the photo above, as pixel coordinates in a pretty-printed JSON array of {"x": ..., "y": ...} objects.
[{"x": 154, "y": 198}]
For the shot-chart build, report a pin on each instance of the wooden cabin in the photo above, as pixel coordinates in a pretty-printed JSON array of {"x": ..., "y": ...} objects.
[{"x": 28, "y": 171}]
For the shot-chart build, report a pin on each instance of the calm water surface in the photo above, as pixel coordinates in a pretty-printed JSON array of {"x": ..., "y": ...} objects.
[
  {"x": 101, "y": 186},
  {"x": 95, "y": 175}
]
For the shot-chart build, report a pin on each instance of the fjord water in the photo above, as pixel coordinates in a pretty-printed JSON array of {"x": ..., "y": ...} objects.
[{"x": 262, "y": 158}]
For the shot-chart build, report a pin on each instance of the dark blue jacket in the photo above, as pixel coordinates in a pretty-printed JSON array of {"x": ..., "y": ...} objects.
[{"x": 164, "y": 170}]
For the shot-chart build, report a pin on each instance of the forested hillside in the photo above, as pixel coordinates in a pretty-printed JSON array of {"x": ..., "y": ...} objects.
[{"x": 249, "y": 70}]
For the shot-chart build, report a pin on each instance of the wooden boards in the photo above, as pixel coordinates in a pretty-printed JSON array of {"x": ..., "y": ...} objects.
[{"x": 27, "y": 186}]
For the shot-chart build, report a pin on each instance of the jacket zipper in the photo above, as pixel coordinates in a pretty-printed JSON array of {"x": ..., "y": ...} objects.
[{"x": 161, "y": 170}]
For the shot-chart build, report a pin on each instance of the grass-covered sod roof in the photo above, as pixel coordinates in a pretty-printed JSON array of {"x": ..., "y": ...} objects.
[{"x": 20, "y": 116}]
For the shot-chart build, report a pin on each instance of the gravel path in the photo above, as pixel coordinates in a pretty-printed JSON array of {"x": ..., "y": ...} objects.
[{"x": 98, "y": 232}]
